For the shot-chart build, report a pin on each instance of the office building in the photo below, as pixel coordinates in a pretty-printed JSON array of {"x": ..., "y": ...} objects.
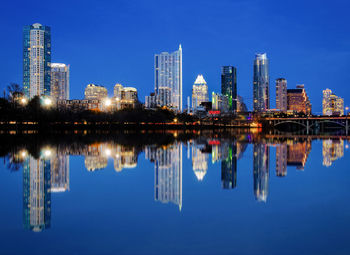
[
  {"x": 95, "y": 92},
  {"x": 117, "y": 92},
  {"x": 281, "y": 94},
  {"x": 229, "y": 86},
  {"x": 261, "y": 81},
  {"x": 220, "y": 102},
  {"x": 298, "y": 101},
  {"x": 59, "y": 81},
  {"x": 36, "y": 60},
  {"x": 168, "y": 75},
  {"x": 199, "y": 92},
  {"x": 332, "y": 104}
]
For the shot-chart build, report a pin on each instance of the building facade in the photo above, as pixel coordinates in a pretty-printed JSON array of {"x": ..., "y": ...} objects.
[
  {"x": 199, "y": 92},
  {"x": 281, "y": 94},
  {"x": 261, "y": 81},
  {"x": 128, "y": 98},
  {"x": 220, "y": 102},
  {"x": 95, "y": 92},
  {"x": 332, "y": 104},
  {"x": 36, "y": 60},
  {"x": 168, "y": 75},
  {"x": 298, "y": 101},
  {"x": 229, "y": 86},
  {"x": 59, "y": 81}
]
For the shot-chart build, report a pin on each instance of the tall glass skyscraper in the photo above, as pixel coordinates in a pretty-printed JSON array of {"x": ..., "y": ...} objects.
[
  {"x": 261, "y": 82},
  {"x": 59, "y": 81},
  {"x": 168, "y": 75},
  {"x": 199, "y": 92},
  {"x": 229, "y": 86},
  {"x": 36, "y": 60}
]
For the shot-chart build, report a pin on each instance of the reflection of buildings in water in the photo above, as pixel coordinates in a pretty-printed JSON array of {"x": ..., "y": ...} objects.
[
  {"x": 261, "y": 153},
  {"x": 281, "y": 160},
  {"x": 124, "y": 157},
  {"x": 229, "y": 165},
  {"x": 332, "y": 150},
  {"x": 59, "y": 172},
  {"x": 97, "y": 156},
  {"x": 241, "y": 147},
  {"x": 168, "y": 172},
  {"x": 297, "y": 153},
  {"x": 199, "y": 161},
  {"x": 36, "y": 193}
]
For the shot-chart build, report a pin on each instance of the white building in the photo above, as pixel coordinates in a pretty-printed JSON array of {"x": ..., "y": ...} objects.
[
  {"x": 168, "y": 74},
  {"x": 199, "y": 92}
]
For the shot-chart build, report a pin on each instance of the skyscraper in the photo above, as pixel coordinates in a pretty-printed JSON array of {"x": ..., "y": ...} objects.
[
  {"x": 168, "y": 75},
  {"x": 281, "y": 94},
  {"x": 229, "y": 86},
  {"x": 36, "y": 60},
  {"x": 261, "y": 82},
  {"x": 199, "y": 91},
  {"x": 93, "y": 91},
  {"x": 59, "y": 81}
]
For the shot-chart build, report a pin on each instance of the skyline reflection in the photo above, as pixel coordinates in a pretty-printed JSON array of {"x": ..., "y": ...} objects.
[{"x": 47, "y": 171}]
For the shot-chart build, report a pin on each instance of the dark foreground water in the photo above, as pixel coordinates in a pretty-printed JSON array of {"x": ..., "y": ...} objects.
[{"x": 174, "y": 193}]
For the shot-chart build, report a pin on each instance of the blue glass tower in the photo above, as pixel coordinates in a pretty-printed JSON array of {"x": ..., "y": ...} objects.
[
  {"x": 229, "y": 86},
  {"x": 261, "y": 82},
  {"x": 36, "y": 60}
]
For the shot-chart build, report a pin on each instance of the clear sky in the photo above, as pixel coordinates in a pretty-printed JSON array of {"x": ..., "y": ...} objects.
[{"x": 105, "y": 42}]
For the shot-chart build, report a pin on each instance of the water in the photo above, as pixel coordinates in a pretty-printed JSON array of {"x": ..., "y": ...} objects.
[{"x": 174, "y": 193}]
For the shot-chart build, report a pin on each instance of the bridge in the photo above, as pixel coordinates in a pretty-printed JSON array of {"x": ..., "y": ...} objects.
[{"x": 308, "y": 123}]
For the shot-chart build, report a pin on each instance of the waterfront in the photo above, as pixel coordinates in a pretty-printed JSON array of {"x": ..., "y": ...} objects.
[{"x": 175, "y": 192}]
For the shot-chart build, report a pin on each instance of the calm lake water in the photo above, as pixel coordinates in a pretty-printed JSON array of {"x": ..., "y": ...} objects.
[{"x": 174, "y": 193}]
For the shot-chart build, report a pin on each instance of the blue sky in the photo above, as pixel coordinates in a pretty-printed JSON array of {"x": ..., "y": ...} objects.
[{"x": 106, "y": 42}]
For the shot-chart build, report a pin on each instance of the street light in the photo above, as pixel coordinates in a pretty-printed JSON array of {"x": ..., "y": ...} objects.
[{"x": 24, "y": 101}]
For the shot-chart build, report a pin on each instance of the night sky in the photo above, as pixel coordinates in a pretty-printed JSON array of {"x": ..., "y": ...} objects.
[{"x": 105, "y": 42}]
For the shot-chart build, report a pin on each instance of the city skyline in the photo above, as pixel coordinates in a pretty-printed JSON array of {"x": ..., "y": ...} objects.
[{"x": 240, "y": 54}]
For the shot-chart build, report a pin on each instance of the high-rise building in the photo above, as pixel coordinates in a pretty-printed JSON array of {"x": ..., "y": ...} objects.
[
  {"x": 199, "y": 92},
  {"x": 229, "y": 86},
  {"x": 261, "y": 154},
  {"x": 36, "y": 60},
  {"x": 298, "y": 101},
  {"x": 36, "y": 193},
  {"x": 93, "y": 91},
  {"x": 168, "y": 74},
  {"x": 261, "y": 80},
  {"x": 281, "y": 94},
  {"x": 332, "y": 104},
  {"x": 59, "y": 81}
]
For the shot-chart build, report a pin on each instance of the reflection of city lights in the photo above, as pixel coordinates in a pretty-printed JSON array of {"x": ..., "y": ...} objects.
[
  {"x": 108, "y": 152},
  {"x": 47, "y": 153},
  {"x": 24, "y": 154},
  {"x": 347, "y": 146}
]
